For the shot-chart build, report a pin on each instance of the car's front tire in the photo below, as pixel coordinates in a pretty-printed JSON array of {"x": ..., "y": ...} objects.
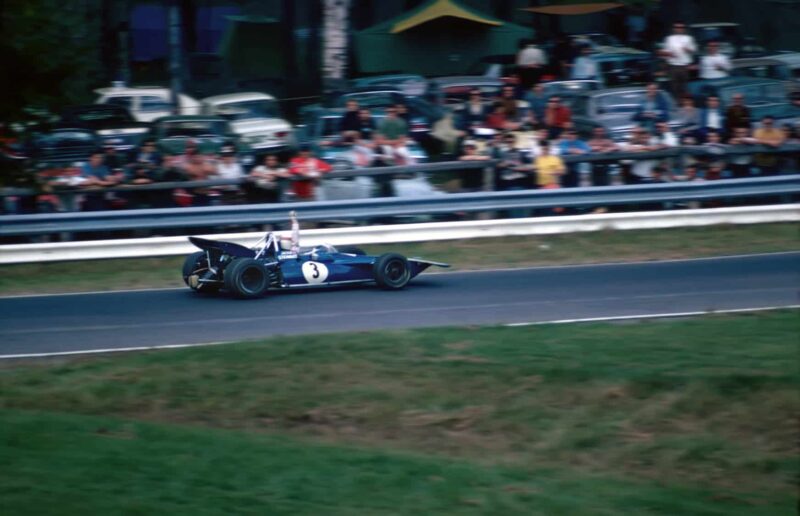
[
  {"x": 247, "y": 278},
  {"x": 196, "y": 264},
  {"x": 391, "y": 271}
]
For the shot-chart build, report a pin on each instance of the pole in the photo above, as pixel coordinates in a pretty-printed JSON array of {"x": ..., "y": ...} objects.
[{"x": 175, "y": 54}]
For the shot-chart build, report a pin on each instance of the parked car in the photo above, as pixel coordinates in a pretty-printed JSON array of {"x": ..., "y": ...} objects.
[
  {"x": 114, "y": 125},
  {"x": 422, "y": 113},
  {"x": 766, "y": 68},
  {"x": 763, "y": 96},
  {"x": 792, "y": 60},
  {"x": 146, "y": 103},
  {"x": 408, "y": 83},
  {"x": 453, "y": 91},
  {"x": 60, "y": 145},
  {"x": 732, "y": 42},
  {"x": 209, "y": 133},
  {"x": 623, "y": 66},
  {"x": 497, "y": 66},
  {"x": 614, "y": 109},
  {"x": 256, "y": 118}
]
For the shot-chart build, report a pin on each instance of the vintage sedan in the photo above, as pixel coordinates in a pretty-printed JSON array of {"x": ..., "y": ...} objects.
[
  {"x": 114, "y": 125},
  {"x": 256, "y": 118},
  {"x": 614, "y": 109}
]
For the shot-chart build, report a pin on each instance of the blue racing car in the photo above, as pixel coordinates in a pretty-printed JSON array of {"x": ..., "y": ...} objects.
[{"x": 275, "y": 263}]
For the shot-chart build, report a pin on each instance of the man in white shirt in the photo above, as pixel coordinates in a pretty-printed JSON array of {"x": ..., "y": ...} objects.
[
  {"x": 530, "y": 61},
  {"x": 585, "y": 67},
  {"x": 714, "y": 65},
  {"x": 679, "y": 49}
]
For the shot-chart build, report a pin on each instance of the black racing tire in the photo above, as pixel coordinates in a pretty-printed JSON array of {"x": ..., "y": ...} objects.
[
  {"x": 247, "y": 278},
  {"x": 197, "y": 262},
  {"x": 351, "y": 249},
  {"x": 391, "y": 271}
]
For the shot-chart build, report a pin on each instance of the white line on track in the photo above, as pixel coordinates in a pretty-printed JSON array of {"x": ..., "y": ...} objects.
[
  {"x": 472, "y": 271},
  {"x": 651, "y": 316},
  {"x": 538, "y": 323}
]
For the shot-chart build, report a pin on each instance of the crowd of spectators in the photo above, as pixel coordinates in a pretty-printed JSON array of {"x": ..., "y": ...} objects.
[{"x": 527, "y": 132}]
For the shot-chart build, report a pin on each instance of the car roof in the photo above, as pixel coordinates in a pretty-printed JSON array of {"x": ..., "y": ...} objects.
[
  {"x": 713, "y": 24},
  {"x": 131, "y": 90},
  {"x": 84, "y": 108},
  {"x": 462, "y": 80},
  {"x": 790, "y": 58},
  {"x": 237, "y": 97},
  {"x": 189, "y": 118},
  {"x": 755, "y": 61},
  {"x": 726, "y": 82},
  {"x": 623, "y": 89}
]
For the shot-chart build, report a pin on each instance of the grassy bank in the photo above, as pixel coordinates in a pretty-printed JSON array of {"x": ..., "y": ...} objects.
[
  {"x": 607, "y": 246},
  {"x": 692, "y": 416}
]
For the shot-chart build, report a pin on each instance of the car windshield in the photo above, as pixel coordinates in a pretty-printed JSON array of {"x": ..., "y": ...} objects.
[
  {"x": 65, "y": 138},
  {"x": 716, "y": 33},
  {"x": 191, "y": 128},
  {"x": 99, "y": 117},
  {"x": 764, "y": 71},
  {"x": 371, "y": 99},
  {"x": 247, "y": 109}
]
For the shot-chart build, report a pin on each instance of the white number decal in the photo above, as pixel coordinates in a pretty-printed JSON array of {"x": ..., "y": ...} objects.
[{"x": 315, "y": 272}]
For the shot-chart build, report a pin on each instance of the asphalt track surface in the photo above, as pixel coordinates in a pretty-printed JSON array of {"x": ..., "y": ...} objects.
[{"x": 94, "y": 321}]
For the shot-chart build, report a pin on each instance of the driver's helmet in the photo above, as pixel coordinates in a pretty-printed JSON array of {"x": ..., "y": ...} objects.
[{"x": 286, "y": 244}]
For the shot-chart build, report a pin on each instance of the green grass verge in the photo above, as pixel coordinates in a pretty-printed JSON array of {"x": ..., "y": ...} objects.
[
  {"x": 578, "y": 248},
  {"x": 63, "y": 464},
  {"x": 682, "y": 416}
]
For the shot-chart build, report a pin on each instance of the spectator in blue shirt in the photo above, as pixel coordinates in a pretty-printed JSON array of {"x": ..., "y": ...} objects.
[
  {"x": 571, "y": 146},
  {"x": 653, "y": 109}
]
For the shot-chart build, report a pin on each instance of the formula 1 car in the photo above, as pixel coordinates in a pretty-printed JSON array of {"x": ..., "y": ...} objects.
[{"x": 271, "y": 264}]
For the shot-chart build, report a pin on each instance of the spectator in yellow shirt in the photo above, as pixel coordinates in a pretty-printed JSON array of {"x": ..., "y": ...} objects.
[
  {"x": 769, "y": 136},
  {"x": 549, "y": 168}
]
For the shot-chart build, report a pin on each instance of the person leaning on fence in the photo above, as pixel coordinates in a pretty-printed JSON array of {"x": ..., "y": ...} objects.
[
  {"x": 392, "y": 126},
  {"x": 265, "y": 182},
  {"x": 600, "y": 143},
  {"x": 741, "y": 164},
  {"x": 640, "y": 170},
  {"x": 571, "y": 145},
  {"x": 307, "y": 171},
  {"x": 557, "y": 117},
  {"x": 772, "y": 137},
  {"x": 472, "y": 179}
]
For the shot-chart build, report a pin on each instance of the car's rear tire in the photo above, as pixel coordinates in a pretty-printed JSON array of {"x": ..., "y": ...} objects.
[
  {"x": 196, "y": 264},
  {"x": 351, "y": 249},
  {"x": 391, "y": 271},
  {"x": 247, "y": 278}
]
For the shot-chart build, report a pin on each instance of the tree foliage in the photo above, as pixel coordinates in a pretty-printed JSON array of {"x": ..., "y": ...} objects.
[{"x": 48, "y": 54}]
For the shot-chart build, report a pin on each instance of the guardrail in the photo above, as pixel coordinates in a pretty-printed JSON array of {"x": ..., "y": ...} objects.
[
  {"x": 169, "y": 246},
  {"x": 364, "y": 209}
]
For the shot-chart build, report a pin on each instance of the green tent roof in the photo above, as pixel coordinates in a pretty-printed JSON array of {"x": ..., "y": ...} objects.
[{"x": 437, "y": 38}]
